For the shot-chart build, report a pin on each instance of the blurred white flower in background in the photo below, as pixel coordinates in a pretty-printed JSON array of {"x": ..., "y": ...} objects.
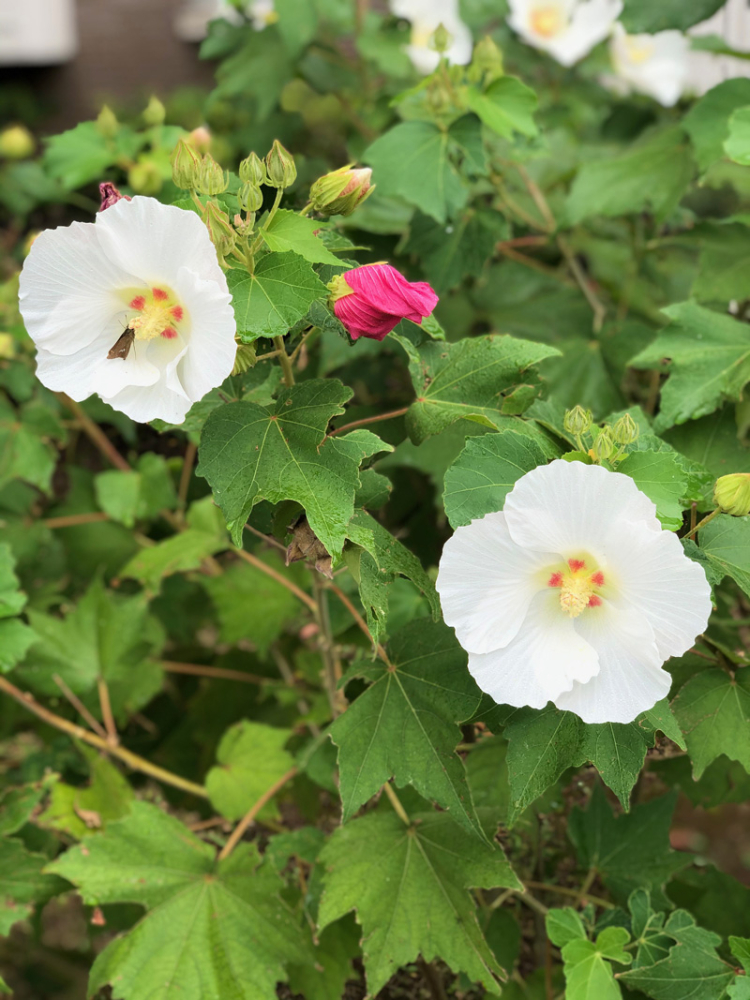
[
  {"x": 425, "y": 17},
  {"x": 573, "y": 594},
  {"x": 566, "y": 29},
  {"x": 657, "y": 65},
  {"x": 133, "y": 307}
]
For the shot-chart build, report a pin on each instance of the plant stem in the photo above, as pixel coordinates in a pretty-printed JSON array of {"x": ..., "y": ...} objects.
[
  {"x": 565, "y": 891},
  {"x": 396, "y": 803},
  {"x": 269, "y": 571},
  {"x": 71, "y": 520},
  {"x": 78, "y": 732},
  {"x": 78, "y": 705},
  {"x": 598, "y": 309},
  {"x": 369, "y": 420},
  {"x": 268, "y": 539},
  {"x": 587, "y": 883},
  {"x": 531, "y": 901},
  {"x": 106, "y": 707},
  {"x": 185, "y": 475},
  {"x": 701, "y": 524},
  {"x": 286, "y": 364},
  {"x": 432, "y": 978},
  {"x": 252, "y": 812},
  {"x": 95, "y": 434},
  {"x": 331, "y": 661},
  {"x": 218, "y": 673}
]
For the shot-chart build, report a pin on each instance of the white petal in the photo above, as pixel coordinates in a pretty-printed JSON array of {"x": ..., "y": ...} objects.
[
  {"x": 155, "y": 402},
  {"x": 68, "y": 288},
  {"x": 546, "y": 658},
  {"x": 486, "y": 583},
  {"x": 630, "y": 678},
  {"x": 657, "y": 65},
  {"x": 74, "y": 374},
  {"x": 590, "y": 21},
  {"x": 212, "y": 326},
  {"x": 115, "y": 374},
  {"x": 569, "y": 507},
  {"x": 652, "y": 575},
  {"x": 154, "y": 241}
]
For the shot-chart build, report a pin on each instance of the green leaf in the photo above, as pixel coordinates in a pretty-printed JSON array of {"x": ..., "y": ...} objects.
[
  {"x": 250, "y": 453},
  {"x": 251, "y": 758},
  {"x": 725, "y": 543},
  {"x": 12, "y": 599},
  {"x": 18, "y": 804},
  {"x": 405, "y": 724},
  {"x": 662, "y": 478},
  {"x": 713, "y": 710},
  {"x": 707, "y": 122},
  {"x": 25, "y": 451},
  {"x": 215, "y": 929},
  {"x": 643, "y": 16},
  {"x": 22, "y": 884},
  {"x": 416, "y": 161},
  {"x": 16, "y": 639},
  {"x": 408, "y": 887},
  {"x": 250, "y": 604},
  {"x": 709, "y": 362},
  {"x": 103, "y": 636},
  {"x": 507, "y": 106},
  {"x": 79, "y": 810},
  {"x": 483, "y": 379},
  {"x": 691, "y": 969},
  {"x": 737, "y": 143},
  {"x": 449, "y": 253},
  {"x": 279, "y": 293},
  {"x": 588, "y": 973},
  {"x": 725, "y": 258},
  {"x": 486, "y": 471},
  {"x": 381, "y": 560},
  {"x": 326, "y": 977},
  {"x": 741, "y": 950},
  {"x": 289, "y": 231},
  {"x": 630, "y": 851},
  {"x": 80, "y": 155},
  {"x": 563, "y": 926},
  {"x": 653, "y": 174},
  {"x": 142, "y": 493}
]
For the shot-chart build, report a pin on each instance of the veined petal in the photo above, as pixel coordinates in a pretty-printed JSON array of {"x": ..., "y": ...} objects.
[
  {"x": 211, "y": 326},
  {"x": 153, "y": 402},
  {"x": 564, "y": 507},
  {"x": 630, "y": 679},
  {"x": 547, "y": 656},
  {"x": 486, "y": 583},
  {"x": 154, "y": 241},
  {"x": 387, "y": 290},
  {"x": 68, "y": 288},
  {"x": 362, "y": 320},
  {"x": 655, "y": 578}
]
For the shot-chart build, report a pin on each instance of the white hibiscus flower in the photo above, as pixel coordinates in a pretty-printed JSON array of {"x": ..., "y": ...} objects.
[
  {"x": 426, "y": 16},
  {"x": 133, "y": 307},
  {"x": 657, "y": 65},
  {"x": 566, "y": 29},
  {"x": 573, "y": 594}
]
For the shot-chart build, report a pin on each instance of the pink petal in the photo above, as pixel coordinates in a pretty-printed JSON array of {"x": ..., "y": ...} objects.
[
  {"x": 387, "y": 289},
  {"x": 362, "y": 320}
]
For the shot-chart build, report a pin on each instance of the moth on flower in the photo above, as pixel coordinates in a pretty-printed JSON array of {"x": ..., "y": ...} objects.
[
  {"x": 566, "y": 29},
  {"x": 133, "y": 307},
  {"x": 426, "y": 16},
  {"x": 573, "y": 594},
  {"x": 657, "y": 65}
]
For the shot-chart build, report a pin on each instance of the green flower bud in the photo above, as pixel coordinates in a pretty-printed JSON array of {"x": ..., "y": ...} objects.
[
  {"x": 107, "y": 123},
  {"x": 604, "y": 445},
  {"x": 732, "y": 494},
  {"x": 145, "y": 178},
  {"x": 442, "y": 39},
  {"x": 250, "y": 197},
  {"x": 222, "y": 234},
  {"x": 626, "y": 430},
  {"x": 211, "y": 178},
  {"x": 577, "y": 421},
  {"x": 341, "y": 191},
  {"x": 185, "y": 166},
  {"x": 155, "y": 112},
  {"x": 244, "y": 359},
  {"x": 487, "y": 58},
  {"x": 253, "y": 170},
  {"x": 16, "y": 143},
  {"x": 280, "y": 167}
]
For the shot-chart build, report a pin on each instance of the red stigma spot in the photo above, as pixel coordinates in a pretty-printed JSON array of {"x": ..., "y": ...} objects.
[
  {"x": 598, "y": 579},
  {"x": 555, "y": 580},
  {"x": 576, "y": 564},
  {"x": 159, "y": 295},
  {"x": 138, "y": 302},
  {"x": 594, "y": 601},
  {"x": 176, "y": 311},
  {"x": 169, "y": 333}
]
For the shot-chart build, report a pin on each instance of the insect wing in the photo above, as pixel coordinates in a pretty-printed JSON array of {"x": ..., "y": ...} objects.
[{"x": 122, "y": 345}]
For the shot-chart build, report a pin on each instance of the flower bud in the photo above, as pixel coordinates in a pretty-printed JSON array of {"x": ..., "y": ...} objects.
[
  {"x": 107, "y": 123},
  {"x": 341, "y": 191},
  {"x": 145, "y": 178},
  {"x": 487, "y": 58},
  {"x": 603, "y": 446},
  {"x": 280, "y": 167},
  {"x": 200, "y": 139},
  {"x": 110, "y": 195},
  {"x": 211, "y": 178},
  {"x": 185, "y": 166},
  {"x": 371, "y": 300},
  {"x": 253, "y": 170},
  {"x": 245, "y": 359},
  {"x": 16, "y": 143},
  {"x": 442, "y": 39},
  {"x": 223, "y": 236},
  {"x": 154, "y": 112},
  {"x": 7, "y": 346},
  {"x": 625, "y": 430},
  {"x": 577, "y": 421},
  {"x": 250, "y": 197},
  {"x": 732, "y": 494}
]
